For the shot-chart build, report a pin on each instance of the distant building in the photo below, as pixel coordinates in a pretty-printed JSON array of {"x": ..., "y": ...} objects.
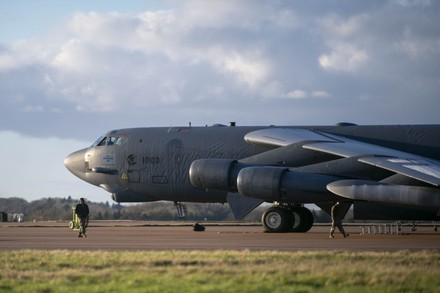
[
  {"x": 9, "y": 217},
  {"x": 17, "y": 217}
]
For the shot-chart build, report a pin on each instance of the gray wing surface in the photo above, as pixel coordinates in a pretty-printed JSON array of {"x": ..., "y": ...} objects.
[
  {"x": 414, "y": 166},
  {"x": 418, "y": 168},
  {"x": 280, "y": 137}
]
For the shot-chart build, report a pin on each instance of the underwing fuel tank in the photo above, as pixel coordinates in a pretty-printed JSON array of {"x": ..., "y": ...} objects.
[
  {"x": 262, "y": 182},
  {"x": 415, "y": 196}
]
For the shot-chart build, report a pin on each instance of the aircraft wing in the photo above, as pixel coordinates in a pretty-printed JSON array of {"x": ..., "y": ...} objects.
[
  {"x": 414, "y": 166},
  {"x": 309, "y": 166},
  {"x": 280, "y": 137},
  {"x": 420, "y": 169}
]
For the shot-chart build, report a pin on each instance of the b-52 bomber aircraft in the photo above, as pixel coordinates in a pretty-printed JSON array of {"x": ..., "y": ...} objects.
[{"x": 387, "y": 172}]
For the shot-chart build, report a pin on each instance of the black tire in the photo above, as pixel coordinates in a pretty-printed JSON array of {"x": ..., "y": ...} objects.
[
  {"x": 309, "y": 220},
  {"x": 277, "y": 220},
  {"x": 303, "y": 220}
]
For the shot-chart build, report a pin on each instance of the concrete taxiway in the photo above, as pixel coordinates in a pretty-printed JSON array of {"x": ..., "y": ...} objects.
[{"x": 150, "y": 236}]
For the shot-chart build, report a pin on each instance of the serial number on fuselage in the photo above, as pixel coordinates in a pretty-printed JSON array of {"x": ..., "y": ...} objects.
[{"x": 150, "y": 160}]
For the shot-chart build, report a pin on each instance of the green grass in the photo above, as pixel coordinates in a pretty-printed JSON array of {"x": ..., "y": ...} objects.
[{"x": 218, "y": 271}]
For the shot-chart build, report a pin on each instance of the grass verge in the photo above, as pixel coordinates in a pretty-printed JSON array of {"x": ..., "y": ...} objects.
[{"x": 218, "y": 271}]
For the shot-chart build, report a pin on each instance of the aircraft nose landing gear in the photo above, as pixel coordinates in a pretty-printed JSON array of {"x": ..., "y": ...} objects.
[{"x": 181, "y": 209}]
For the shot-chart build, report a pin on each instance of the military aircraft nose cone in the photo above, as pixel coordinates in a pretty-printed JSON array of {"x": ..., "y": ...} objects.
[{"x": 75, "y": 162}]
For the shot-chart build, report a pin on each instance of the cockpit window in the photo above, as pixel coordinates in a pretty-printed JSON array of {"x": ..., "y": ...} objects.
[
  {"x": 119, "y": 140},
  {"x": 108, "y": 140},
  {"x": 99, "y": 141},
  {"x": 103, "y": 141}
]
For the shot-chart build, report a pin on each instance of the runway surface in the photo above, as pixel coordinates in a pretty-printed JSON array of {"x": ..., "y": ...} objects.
[{"x": 142, "y": 236}]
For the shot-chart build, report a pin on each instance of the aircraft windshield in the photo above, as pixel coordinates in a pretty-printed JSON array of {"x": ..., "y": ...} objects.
[{"x": 108, "y": 140}]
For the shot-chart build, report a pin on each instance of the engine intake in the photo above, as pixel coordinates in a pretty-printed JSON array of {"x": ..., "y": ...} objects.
[{"x": 215, "y": 173}]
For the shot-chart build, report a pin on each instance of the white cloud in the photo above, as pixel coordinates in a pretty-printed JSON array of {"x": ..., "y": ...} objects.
[
  {"x": 249, "y": 67},
  {"x": 363, "y": 43},
  {"x": 296, "y": 94},
  {"x": 347, "y": 42},
  {"x": 112, "y": 63},
  {"x": 104, "y": 61},
  {"x": 417, "y": 46},
  {"x": 344, "y": 57},
  {"x": 7, "y": 62},
  {"x": 320, "y": 94},
  {"x": 340, "y": 28},
  {"x": 17, "y": 55},
  {"x": 71, "y": 57},
  {"x": 275, "y": 90}
]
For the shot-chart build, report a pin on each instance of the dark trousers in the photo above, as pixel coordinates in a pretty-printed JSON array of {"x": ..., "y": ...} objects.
[{"x": 83, "y": 226}]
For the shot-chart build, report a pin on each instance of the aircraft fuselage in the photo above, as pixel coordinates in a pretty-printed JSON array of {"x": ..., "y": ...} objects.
[{"x": 149, "y": 164}]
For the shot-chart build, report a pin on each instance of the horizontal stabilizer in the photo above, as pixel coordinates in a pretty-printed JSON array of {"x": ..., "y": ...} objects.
[
  {"x": 387, "y": 193},
  {"x": 242, "y": 205}
]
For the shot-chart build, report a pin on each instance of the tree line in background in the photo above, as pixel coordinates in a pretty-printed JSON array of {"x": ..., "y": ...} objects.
[{"x": 58, "y": 209}]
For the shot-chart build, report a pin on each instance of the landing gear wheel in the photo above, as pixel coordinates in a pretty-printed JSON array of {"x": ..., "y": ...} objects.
[
  {"x": 303, "y": 219},
  {"x": 276, "y": 220}
]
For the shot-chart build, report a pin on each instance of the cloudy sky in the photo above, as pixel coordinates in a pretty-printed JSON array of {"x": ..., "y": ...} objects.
[{"x": 71, "y": 71}]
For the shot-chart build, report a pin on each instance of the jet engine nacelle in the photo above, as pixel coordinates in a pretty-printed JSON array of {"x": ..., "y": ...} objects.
[
  {"x": 282, "y": 184},
  {"x": 215, "y": 173},
  {"x": 262, "y": 182}
]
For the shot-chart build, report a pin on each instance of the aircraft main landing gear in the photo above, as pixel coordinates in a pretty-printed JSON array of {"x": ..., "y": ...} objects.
[
  {"x": 287, "y": 218},
  {"x": 276, "y": 219}
]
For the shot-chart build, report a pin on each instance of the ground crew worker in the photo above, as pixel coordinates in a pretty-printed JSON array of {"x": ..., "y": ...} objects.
[
  {"x": 82, "y": 211},
  {"x": 338, "y": 213}
]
